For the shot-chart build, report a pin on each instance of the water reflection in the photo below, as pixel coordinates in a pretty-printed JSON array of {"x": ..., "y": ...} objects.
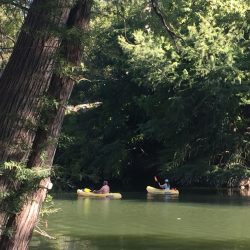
[
  {"x": 162, "y": 197},
  {"x": 212, "y": 220},
  {"x": 238, "y": 192},
  {"x": 147, "y": 242},
  {"x": 245, "y": 192},
  {"x": 88, "y": 205}
]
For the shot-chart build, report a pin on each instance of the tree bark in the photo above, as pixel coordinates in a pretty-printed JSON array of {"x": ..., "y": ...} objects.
[
  {"x": 23, "y": 83},
  {"x": 26, "y": 78},
  {"x": 45, "y": 141},
  {"x": 60, "y": 89}
]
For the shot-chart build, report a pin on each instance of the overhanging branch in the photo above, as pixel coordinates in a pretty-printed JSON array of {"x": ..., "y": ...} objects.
[{"x": 171, "y": 33}]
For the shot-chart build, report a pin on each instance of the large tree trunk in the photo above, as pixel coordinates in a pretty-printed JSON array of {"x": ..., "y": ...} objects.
[
  {"x": 23, "y": 83},
  {"x": 26, "y": 77},
  {"x": 46, "y": 139},
  {"x": 60, "y": 88}
]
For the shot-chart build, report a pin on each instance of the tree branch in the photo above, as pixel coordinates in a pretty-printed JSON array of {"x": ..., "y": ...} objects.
[
  {"x": 171, "y": 33},
  {"x": 43, "y": 233}
]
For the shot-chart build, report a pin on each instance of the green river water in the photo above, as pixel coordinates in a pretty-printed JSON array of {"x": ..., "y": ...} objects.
[{"x": 194, "y": 220}]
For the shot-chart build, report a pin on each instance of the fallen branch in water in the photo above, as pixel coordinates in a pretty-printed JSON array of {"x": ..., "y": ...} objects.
[{"x": 43, "y": 233}]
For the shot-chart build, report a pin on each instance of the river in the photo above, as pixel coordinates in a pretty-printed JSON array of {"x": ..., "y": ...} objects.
[{"x": 194, "y": 220}]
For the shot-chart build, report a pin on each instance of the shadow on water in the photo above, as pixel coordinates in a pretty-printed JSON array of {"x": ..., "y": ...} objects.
[
  {"x": 198, "y": 195},
  {"x": 226, "y": 196},
  {"x": 131, "y": 242}
]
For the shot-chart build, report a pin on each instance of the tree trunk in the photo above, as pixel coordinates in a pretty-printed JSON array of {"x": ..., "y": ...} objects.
[
  {"x": 26, "y": 78},
  {"x": 60, "y": 89},
  {"x": 23, "y": 83},
  {"x": 46, "y": 139},
  {"x": 22, "y": 224}
]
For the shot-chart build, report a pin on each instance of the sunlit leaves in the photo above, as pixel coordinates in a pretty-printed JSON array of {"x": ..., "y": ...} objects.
[{"x": 176, "y": 109}]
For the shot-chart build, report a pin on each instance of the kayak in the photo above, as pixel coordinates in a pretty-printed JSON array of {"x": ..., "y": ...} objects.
[
  {"x": 153, "y": 190},
  {"x": 80, "y": 192}
]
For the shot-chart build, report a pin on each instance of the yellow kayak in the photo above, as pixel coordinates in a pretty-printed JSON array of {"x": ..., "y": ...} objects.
[
  {"x": 80, "y": 192},
  {"x": 153, "y": 190}
]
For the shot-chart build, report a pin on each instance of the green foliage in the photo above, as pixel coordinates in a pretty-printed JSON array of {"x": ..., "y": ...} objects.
[
  {"x": 178, "y": 112},
  {"x": 11, "y": 19},
  {"x": 25, "y": 181},
  {"x": 8, "y": 231},
  {"x": 20, "y": 173},
  {"x": 48, "y": 207}
]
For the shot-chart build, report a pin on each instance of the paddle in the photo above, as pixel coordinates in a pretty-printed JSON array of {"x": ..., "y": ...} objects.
[{"x": 156, "y": 180}]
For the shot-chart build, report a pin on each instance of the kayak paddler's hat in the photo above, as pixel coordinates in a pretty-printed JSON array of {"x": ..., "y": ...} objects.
[{"x": 166, "y": 180}]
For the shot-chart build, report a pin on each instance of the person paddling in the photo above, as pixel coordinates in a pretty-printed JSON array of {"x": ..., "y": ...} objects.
[
  {"x": 105, "y": 189},
  {"x": 166, "y": 184}
]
